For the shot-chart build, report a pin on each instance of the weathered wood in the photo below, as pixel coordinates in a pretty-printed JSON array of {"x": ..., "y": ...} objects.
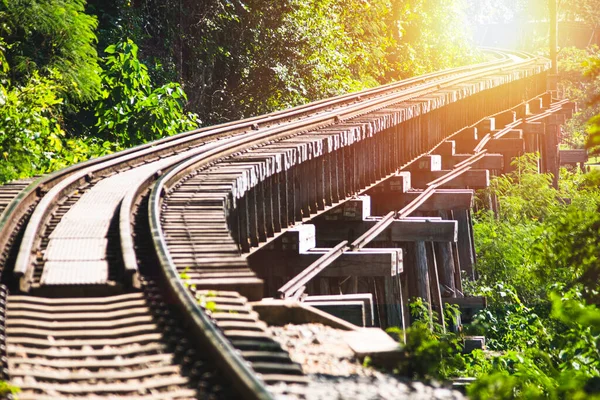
[
  {"x": 445, "y": 262},
  {"x": 446, "y": 148},
  {"x": 486, "y": 125},
  {"x": 464, "y": 242},
  {"x": 400, "y": 182},
  {"x": 474, "y": 178},
  {"x": 442, "y": 199},
  {"x": 532, "y": 132},
  {"x": 430, "y": 162},
  {"x": 298, "y": 239},
  {"x": 352, "y": 210},
  {"x": 436, "y": 295},
  {"x": 348, "y": 310},
  {"x": 488, "y": 161},
  {"x": 504, "y": 145},
  {"x": 374, "y": 262},
  {"x": 365, "y": 298},
  {"x": 551, "y": 155},
  {"x": 417, "y": 271},
  {"x": 399, "y": 231},
  {"x": 393, "y": 301},
  {"x": 573, "y": 156}
]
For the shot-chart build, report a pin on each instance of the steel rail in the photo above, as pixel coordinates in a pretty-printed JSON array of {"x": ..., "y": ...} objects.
[
  {"x": 300, "y": 280},
  {"x": 57, "y": 185},
  {"x": 271, "y": 134},
  {"x": 257, "y": 138},
  {"x": 206, "y": 329},
  {"x": 498, "y": 135},
  {"x": 65, "y": 181},
  {"x": 248, "y": 384},
  {"x": 44, "y": 183}
]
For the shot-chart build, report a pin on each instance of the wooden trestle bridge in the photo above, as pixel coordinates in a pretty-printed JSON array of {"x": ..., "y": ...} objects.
[{"x": 143, "y": 274}]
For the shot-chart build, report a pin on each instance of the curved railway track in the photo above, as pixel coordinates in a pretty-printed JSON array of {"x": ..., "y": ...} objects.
[{"x": 128, "y": 272}]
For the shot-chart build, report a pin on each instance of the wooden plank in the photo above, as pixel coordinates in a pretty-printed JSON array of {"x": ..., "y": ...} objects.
[
  {"x": 474, "y": 178},
  {"x": 489, "y": 161},
  {"x": 506, "y": 145},
  {"x": 349, "y": 311},
  {"x": 434, "y": 282},
  {"x": 366, "y": 298},
  {"x": 400, "y": 182},
  {"x": 573, "y": 156},
  {"x": 399, "y": 230},
  {"x": 442, "y": 199},
  {"x": 446, "y": 148},
  {"x": 430, "y": 162},
  {"x": 351, "y": 263},
  {"x": 464, "y": 242}
]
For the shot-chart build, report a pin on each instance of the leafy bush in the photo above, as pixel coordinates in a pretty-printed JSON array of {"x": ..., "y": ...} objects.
[
  {"x": 130, "y": 110},
  {"x": 429, "y": 351},
  {"x": 546, "y": 344},
  {"x": 46, "y": 36},
  {"x": 31, "y": 138}
]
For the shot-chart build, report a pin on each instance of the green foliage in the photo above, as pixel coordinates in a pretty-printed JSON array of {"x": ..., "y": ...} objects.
[
  {"x": 548, "y": 343},
  {"x": 32, "y": 140},
  {"x": 507, "y": 323},
  {"x": 524, "y": 194},
  {"x": 30, "y": 135},
  {"x": 429, "y": 351},
  {"x": 541, "y": 235},
  {"x": 54, "y": 35},
  {"x": 130, "y": 111},
  {"x": 8, "y": 389},
  {"x": 566, "y": 366},
  {"x": 241, "y": 59},
  {"x": 580, "y": 84}
]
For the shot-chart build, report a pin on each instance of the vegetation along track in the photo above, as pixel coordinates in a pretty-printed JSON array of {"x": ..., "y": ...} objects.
[{"x": 76, "y": 233}]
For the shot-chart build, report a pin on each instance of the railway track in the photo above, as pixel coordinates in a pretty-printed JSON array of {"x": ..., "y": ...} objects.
[{"x": 92, "y": 252}]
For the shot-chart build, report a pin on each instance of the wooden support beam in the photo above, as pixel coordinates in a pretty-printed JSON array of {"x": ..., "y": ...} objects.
[
  {"x": 365, "y": 298},
  {"x": 487, "y": 125},
  {"x": 442, "y": 199},
  {"x": 504, "y": 145},
  {"x": 417, "y": 272},
  {"x": 298, "y": 239},
  {"x": 355, "y": 209},
  {"x": 446, "y": 148},
  {"x": 488, "y": 161},
  {"x": 467, "y": 139},
  {"x": 465, "y": 247},
  {"x": 573, "y": 156},
  {"x": 474, "y": 178},
  {"x": 365, "y": 263},
  {"x": 430, "y": 162},
  {"x": 399, "y": 231},
  {"x": 551, "y": 154},
  {"x": 505, "y": 118},
  {"x": 434, "y": 283},
  {"x": 445, "y": 262},
  {"x": 532, "y": 132},
  {"x": 400, "y": 182},
  {"x": 352, "y": 311}
]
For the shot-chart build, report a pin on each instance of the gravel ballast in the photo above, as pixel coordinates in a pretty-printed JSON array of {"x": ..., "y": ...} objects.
[{"x": 336, "y": 373}]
